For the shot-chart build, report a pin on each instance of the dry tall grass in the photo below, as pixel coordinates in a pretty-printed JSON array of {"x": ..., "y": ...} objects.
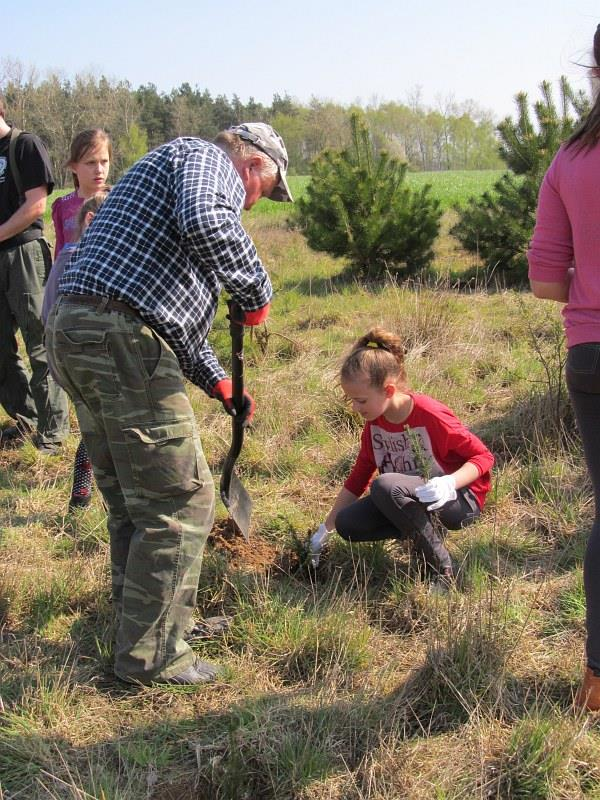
[{"x": 354, "y": 683}]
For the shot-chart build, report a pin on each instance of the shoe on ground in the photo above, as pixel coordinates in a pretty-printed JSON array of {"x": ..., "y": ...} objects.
[
  {"x": 208, "y": 628},
  {"x": 79, "y": 501},
  {"x": 199, "y": 672},
  {"x": 47, "y": 448},
  {"x": 588, "y": 694},
  {"x": 443, "y": 581},
  {"x": 13, "y": 437}
]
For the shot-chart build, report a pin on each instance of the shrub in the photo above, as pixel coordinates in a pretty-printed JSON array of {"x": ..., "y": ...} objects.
[
  {"x": 498, "y": 225},
  {"x": 357, "y": 206}
]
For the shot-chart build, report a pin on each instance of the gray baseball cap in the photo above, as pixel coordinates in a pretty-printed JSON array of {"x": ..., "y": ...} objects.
[{"x": 270, "y": 142}]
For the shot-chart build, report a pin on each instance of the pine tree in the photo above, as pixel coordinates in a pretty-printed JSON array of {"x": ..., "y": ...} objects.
[
  {"x": 499, "y": 225},
  {"x": 357, "y": 206}
]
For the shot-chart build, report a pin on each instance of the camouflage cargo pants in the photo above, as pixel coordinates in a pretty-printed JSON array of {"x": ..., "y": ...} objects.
[
  {"x": 36, "y": 398},
  {"x": 138, "y": 426}
]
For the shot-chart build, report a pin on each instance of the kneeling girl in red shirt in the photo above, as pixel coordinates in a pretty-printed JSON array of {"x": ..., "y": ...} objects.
[{"x": 428, "y": 461}]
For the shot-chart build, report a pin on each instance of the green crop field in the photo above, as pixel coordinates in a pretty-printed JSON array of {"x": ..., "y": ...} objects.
[{"x": 455, "y": 186}]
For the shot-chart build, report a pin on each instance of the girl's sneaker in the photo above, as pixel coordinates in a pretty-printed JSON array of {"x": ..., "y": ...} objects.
[
  {"x": 443, "y": 582},
  {"x": 80, "y": 500}
]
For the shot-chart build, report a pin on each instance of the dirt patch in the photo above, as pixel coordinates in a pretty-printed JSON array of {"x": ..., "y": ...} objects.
[{"x": 256, "y": 554}]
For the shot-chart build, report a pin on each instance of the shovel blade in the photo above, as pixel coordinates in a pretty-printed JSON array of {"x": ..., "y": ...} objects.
[{"x": 238, "y": 503}]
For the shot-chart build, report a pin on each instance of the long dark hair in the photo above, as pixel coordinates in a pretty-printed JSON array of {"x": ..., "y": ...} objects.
[
  {"x": 587, "y": 134},
  {"x": 86, "y": 140}
]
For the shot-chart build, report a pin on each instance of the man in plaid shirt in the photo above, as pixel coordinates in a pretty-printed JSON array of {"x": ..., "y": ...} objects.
[{"x": 135, "y": 306}]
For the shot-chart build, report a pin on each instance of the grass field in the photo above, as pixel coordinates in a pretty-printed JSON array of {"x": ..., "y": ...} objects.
[
  {"x": 455, "y": 186},
  {"x": 448, "y": 187},
  {"x": 357, "y": 682}
]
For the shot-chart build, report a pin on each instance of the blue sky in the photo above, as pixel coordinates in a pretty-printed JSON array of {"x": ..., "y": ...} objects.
[{"x": 343, "y": 51}]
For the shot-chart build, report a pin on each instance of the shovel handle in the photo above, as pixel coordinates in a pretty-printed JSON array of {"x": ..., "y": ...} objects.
[{"x": 236, "y": 330}]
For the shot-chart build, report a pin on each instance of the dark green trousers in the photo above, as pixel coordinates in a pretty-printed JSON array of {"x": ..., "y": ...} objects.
[
  {"x": 138, "y": 426},
  {"x": 36, "y": 398}
]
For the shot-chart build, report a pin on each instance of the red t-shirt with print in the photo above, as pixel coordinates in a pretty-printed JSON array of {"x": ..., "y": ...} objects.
[{"x": 445, "y": 445}]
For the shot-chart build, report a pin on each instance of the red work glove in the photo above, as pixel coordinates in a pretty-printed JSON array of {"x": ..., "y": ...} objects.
[
  {"x": 223, "y": 391},
  {"x": 258, "y": 316},
  {"x": 251, "y": 317}
]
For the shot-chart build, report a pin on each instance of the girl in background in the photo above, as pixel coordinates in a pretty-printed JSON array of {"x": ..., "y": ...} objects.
[
  {"x": 564, "y": 265},
  {"x": 428, "y": 462},
  {"x": 89, "y": 161},
  {"x": 81, "y": 493}
]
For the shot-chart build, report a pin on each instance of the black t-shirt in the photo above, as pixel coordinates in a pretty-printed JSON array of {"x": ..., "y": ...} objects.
[{"x": 35, "y": 170}]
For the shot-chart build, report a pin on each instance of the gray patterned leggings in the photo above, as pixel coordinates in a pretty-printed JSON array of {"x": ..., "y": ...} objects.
[{"x": 391, "y": 511}]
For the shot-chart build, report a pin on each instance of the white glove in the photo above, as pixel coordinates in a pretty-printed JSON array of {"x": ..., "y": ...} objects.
[
  {"x": 317, "y": 542},
  {"x": 437, "y": 491}
]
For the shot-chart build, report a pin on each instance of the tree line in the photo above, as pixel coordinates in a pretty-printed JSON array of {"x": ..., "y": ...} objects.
[{"x": 452, "y": 136}]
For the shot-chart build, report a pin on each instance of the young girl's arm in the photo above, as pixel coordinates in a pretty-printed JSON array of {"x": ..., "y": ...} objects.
[
  {"x": 319, "y": 539},
  {"x": 454, "y": 444},
  {"x": 359, "y": 477},
  {"x": 438, "y": 491},
  {"x": 465, "y": 475}
]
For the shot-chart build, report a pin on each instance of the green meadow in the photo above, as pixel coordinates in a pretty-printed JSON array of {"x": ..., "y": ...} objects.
[
  {"x": 450, "y": 188},
  {"x": 357, "y": 681}
]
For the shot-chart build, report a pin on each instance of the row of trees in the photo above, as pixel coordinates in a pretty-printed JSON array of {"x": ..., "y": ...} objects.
[
  {"x": 453, "y": 136},
  {"x": 358, "y": 206}
]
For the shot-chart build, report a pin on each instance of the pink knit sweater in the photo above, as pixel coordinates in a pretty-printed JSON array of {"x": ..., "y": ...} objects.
[{"x": 567, "y": 234}]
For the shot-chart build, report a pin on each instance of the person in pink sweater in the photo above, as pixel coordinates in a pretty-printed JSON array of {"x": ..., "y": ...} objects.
[
  {"x": 564, "y": 265},
  {"x": 428, "y": 461},
  {"x": 89, "y": 161}
]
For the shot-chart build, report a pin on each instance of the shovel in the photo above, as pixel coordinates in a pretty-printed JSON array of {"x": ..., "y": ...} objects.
[{"x": 233, "y": 494}]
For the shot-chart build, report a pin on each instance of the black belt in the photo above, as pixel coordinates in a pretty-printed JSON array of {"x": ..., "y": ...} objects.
[
  {"x": 31, "y": 235},
  {"x": 100, "y": 303}
]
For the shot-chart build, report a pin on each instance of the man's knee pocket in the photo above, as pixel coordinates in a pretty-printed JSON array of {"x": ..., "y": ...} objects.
[{"x": 165, "y": 459}]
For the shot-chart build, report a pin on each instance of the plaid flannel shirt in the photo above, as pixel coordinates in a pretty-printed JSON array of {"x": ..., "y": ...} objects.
[{"x": 166, "y": 241}]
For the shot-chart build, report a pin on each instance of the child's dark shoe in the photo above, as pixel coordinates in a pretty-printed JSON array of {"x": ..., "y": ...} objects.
[
  {"x": 14, "y": 436},
  {"x": 443, "y": 581},
  {"x": 80, "y": 500}
]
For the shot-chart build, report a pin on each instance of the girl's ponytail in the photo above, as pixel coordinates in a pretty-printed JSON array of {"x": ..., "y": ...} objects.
[{"x": 378, "y": 355}]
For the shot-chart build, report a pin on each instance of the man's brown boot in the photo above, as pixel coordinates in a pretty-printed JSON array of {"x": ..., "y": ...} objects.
[{"x": 588, "y": 694}]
